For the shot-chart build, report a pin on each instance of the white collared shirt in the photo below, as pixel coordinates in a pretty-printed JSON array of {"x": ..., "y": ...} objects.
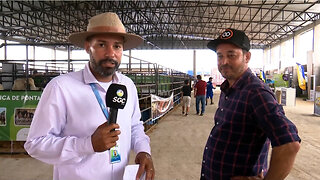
[{"x": 67, "y": 115}]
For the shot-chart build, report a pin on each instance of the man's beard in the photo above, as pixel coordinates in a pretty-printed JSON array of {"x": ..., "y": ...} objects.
[{"x": 104, "y": 71}]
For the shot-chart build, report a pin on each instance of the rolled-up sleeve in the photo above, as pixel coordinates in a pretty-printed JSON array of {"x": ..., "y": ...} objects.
[{"x": 272, "y": 120}]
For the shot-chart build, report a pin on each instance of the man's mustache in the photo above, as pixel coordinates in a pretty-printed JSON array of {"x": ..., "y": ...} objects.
[
  {"x": 225, "y": 66},
  {"x": 108, "y": 60}
]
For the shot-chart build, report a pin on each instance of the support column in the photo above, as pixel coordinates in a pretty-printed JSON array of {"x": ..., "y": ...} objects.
[
  {"x": 316, "y": 54},
  {"x": 296, "y": 56},
  {"x": 34, "y": 56},
  {"x": 194, "y": 64},
  {"x": 54, "y": 59},
  {"x": 130, "y": 60},
  {"x": 310, "y": 72},
  {"x": 5, "y": 50},
  {"x": 27, "y": 67},
  {"x": 69, "y": 58}
]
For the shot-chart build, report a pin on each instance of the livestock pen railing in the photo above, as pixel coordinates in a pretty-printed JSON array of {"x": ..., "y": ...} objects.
[
  {"x": 153, "y": 79},
  {"x": 150, "y": 78}
]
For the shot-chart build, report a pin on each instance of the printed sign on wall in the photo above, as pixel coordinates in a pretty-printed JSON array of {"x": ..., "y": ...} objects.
[{"x": 16, "y": 112}]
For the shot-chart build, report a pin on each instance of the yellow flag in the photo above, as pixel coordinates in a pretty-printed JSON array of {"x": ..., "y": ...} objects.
[{"x": 301, "y": 77}]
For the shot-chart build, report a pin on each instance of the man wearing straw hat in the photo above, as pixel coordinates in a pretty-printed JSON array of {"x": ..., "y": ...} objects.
[{"x": 69, "y": 129}]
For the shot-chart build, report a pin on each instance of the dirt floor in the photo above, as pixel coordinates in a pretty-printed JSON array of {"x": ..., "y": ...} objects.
[{"x": 177, "y": 145}]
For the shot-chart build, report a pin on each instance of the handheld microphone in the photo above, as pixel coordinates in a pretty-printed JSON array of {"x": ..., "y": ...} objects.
[{"x": 116, "y": 98}]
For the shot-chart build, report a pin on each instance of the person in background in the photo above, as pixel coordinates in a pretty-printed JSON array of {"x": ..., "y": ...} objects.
[
  {"x": 248, "y": 118},
  {"x": 200, "y": 95},
  {"x": 186, "y": 97},
  {"x": 210, "y": 89},
  {"x": 70, "y": 129}
]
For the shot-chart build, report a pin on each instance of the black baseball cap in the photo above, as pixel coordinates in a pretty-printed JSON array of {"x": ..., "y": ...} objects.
[{"x": 233, "y": 36}]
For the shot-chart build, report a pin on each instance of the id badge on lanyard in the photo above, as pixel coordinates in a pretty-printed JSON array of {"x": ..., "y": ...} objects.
[
  {"x": 115, "y": 150},
  {"x": 115, "y": 154}
]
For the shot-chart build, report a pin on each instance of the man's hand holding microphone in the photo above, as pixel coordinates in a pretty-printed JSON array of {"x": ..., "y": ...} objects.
[{"x": 105, "y": 135}]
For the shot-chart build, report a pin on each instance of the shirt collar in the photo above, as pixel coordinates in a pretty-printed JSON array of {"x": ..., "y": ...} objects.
[{"x": 89, "y": 77}]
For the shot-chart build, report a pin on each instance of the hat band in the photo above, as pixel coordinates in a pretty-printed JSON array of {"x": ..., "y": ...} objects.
[{"x": 106, "y": 29}]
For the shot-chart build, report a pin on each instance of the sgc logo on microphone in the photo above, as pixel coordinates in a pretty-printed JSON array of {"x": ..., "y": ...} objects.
[{"x": 118, "y": 98}]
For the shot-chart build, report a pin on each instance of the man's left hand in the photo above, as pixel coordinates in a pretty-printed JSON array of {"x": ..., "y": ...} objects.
[{"x": 145, "y": 165}]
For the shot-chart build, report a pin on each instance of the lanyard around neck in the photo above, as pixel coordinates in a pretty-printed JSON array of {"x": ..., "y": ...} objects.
[{"x": 96, "y": 93}]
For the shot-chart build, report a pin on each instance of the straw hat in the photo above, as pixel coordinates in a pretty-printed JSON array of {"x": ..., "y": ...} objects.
[{"x": 106, "y": 23}]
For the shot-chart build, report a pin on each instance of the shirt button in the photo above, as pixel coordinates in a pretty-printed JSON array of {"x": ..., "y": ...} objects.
[
  {"x": 217, "y": 123},
  {"x": 210, "y": 135},
  {"x": 226, "y": 97},
  {"x": 204, "y": 161},
  {"x": 206, "y": 147},
  {"x": 221, "y": 110},
  {"x": 202, "y": 174}
]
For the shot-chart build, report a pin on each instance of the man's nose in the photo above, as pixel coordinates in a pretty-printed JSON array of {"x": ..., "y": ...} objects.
[
  {"x": 109, "y": 52},
  {"x": 223, "y": 60}
]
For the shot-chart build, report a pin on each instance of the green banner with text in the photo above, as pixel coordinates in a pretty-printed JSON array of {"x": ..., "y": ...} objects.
[{"x": 16, "y": 112}]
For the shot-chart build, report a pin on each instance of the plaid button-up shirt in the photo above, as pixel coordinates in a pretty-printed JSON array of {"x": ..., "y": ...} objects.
[{"x": 247, "y": 119}]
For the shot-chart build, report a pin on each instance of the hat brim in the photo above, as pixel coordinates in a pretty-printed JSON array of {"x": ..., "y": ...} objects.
[
  {"x": 130, "y": 40},
  {"x": 214, "y": 43}
]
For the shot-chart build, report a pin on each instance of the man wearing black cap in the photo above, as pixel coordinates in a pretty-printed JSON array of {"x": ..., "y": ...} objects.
[{"x": 248, "y": 118}]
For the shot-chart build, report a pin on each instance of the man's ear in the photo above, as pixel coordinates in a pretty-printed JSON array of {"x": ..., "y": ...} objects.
[
  {"x": 248, "y": 56},
  {"x": 87, "y": 46}
]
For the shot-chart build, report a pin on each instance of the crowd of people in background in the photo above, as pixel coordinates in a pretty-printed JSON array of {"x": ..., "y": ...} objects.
[{"x": 203, "y": 91}]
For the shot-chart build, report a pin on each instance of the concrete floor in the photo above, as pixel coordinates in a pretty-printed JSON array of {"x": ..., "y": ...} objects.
[{"x": 177, "y": 145}]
